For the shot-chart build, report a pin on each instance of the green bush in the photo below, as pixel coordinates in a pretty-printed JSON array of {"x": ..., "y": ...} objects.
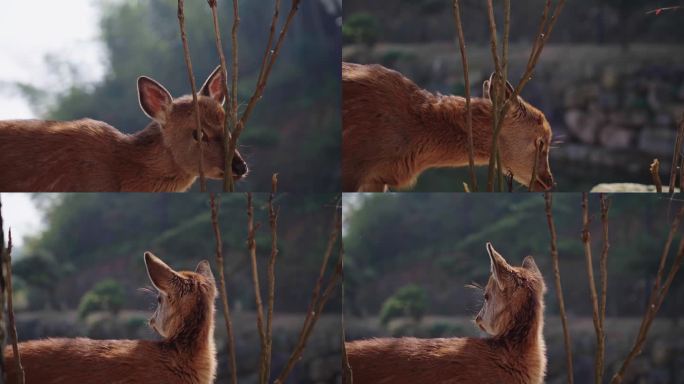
[
  {"x": 408, "y": 301},
  {"x": 361, "y": 28},
  {"x": 107, "y": 295}
]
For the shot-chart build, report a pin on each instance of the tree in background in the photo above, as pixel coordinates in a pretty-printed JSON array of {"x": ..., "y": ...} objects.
[
  {"x": 409, "y": 301},
  {"x": 41, "y": 271},
  {"x": 107, "y": 295}
]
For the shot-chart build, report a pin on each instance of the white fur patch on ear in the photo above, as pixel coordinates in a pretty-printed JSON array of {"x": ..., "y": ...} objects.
[
  {"x": 204, "y": 269},
  {"x": 159, "y": 273},
  {"x": 213, "y": 86},
  {"x": 499, "y": 267},
  {"x": 154, "y": 99},
  {"x": 530, "y": 265}
]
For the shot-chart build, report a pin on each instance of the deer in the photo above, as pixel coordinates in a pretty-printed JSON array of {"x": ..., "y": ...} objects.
[
  {"x": 512, "y": 315},
  {"x": 392, "y": 131},
  {"x": 91, "y": 156},
  {"x": 186, "y": 353}
]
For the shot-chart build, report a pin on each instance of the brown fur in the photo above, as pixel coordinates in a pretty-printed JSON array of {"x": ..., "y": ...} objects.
[
  {"x": 186, "y": 355},
  {"x": 514, "y": 354},
  {"x": 393, "y": 130},
  {"x": 89, "y": 155}
]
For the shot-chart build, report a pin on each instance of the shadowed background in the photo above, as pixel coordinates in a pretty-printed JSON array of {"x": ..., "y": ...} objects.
[
  {"x": 80, "y": 274},
  {"x": 610, "y": 79},
  {"x": 409, "y": 257},
  {"x": 295, "y": 128}
]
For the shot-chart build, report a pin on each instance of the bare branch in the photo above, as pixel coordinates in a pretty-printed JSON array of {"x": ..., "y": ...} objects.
[
  {"x": 251, "y": 246},
  {"x": 347, "y": 374},
  {"x": 586, "y": 240},
  {"x": 222, "y": 287},
  {"x": 658, "y": 294},
  {"x": 603, "y": 273},
  {"x": 318, "y": 299},
  {"x": 466, "y": 79},
  {"x": 193, "y": 87},
  {"x": 654, "y": 168},
  {"x": 3, "y": 370},
  {"x": 270, "y": 57},
  {"x": 7, "y": 262},
  {"x": 273, "y": 221},
  {"x": 559, "y": 289},
  {"x": 228, "y": 172},
  {"x": 228, "y": 182},
  {"x": 677, "y": 157}
]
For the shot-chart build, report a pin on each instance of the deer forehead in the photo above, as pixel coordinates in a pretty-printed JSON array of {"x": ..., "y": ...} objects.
[{"x": 211, "y": 112}]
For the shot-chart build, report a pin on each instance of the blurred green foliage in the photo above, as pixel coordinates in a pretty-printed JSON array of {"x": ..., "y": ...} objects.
[
  {"x": 107, "y": 295},
  {"x": 408, "y": 301},
  {"x": 360, "y": 28},
  {"x": 295, "y": 128}
]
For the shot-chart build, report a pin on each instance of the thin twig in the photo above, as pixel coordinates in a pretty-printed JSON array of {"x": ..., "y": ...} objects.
[
  {"x": 228, "y": 169},
  {"x": 273, "y": 221},
  {"x": 603, "y": 274},
  {"x": 509, "y": 180},
  {"x": 7, "y": 261},
  {"x": 265, "y": 71},
  {"x": 559, "y": 289},
  {"x": 251, "y": 246},
  {"x": 495, "y": 86},
  {"x": 466, "y": 79},
  {"x": 318, "y": 299},
  {"x": 586, "y": 240},
  {"x": 3, "y": 371},
  {"x": 347, "y": 374},
  {"x": 676, "y": 156},
  {"x": 193, "y": 87},
  {"x": 658, "y": 294},
  {"x": 228, "y": 182},
  {"x": 222, "y": 287},
  {"x": 654, "y": 168}
]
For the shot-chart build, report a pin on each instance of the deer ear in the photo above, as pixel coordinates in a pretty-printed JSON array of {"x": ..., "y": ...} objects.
[
  {"x": 499, "y": 267},
  {"x": 213, "y": 86},
  {"x": 530, "y": 265},
  {"x": 485, "y": 90},
  {"x": 204, "y": 269},
  {"x": 161, "y": 275},
  {"x": 154, "y": 99}
]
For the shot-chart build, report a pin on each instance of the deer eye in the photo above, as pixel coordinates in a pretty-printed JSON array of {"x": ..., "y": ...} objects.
[
  {"x": 205, "y": 138},
  {"x": 486, "y": 296},
  {"x": 159, "y": 299}
]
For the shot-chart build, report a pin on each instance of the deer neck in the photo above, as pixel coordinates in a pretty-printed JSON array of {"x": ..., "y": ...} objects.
[
  {"x": 194, "y": 339},
  {"x": 151, "y": 165},
  {"x": 525, "y": 338},
  {"x": 443, "y": 136}
]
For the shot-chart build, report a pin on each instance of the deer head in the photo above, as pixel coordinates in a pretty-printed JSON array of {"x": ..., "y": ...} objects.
[
  {"x": 179, "y": 294},
  {"x": 176, "y": 117},
  {"x": 525, "y": 138},
  {"x": 507, "y": 292}
]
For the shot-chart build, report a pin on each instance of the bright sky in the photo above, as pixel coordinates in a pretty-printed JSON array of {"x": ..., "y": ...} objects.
[
  {"x": 31, "y": 29},
  {"x": 19, "y": 213}
]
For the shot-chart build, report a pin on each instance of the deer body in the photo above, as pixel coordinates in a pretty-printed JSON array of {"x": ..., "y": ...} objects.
[
  {"x": 515, "y": 354},
  {"x": 91, "y": 156},
  {"x": 393, "y": 130},
  {"x": 186, "y": 355}
]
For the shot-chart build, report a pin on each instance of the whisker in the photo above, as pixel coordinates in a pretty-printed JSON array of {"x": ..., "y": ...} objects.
[{"x": 475, "y": 286}]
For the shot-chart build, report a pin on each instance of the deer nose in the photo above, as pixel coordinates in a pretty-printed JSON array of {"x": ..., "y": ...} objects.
[{"x": 239, "y": 166}]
